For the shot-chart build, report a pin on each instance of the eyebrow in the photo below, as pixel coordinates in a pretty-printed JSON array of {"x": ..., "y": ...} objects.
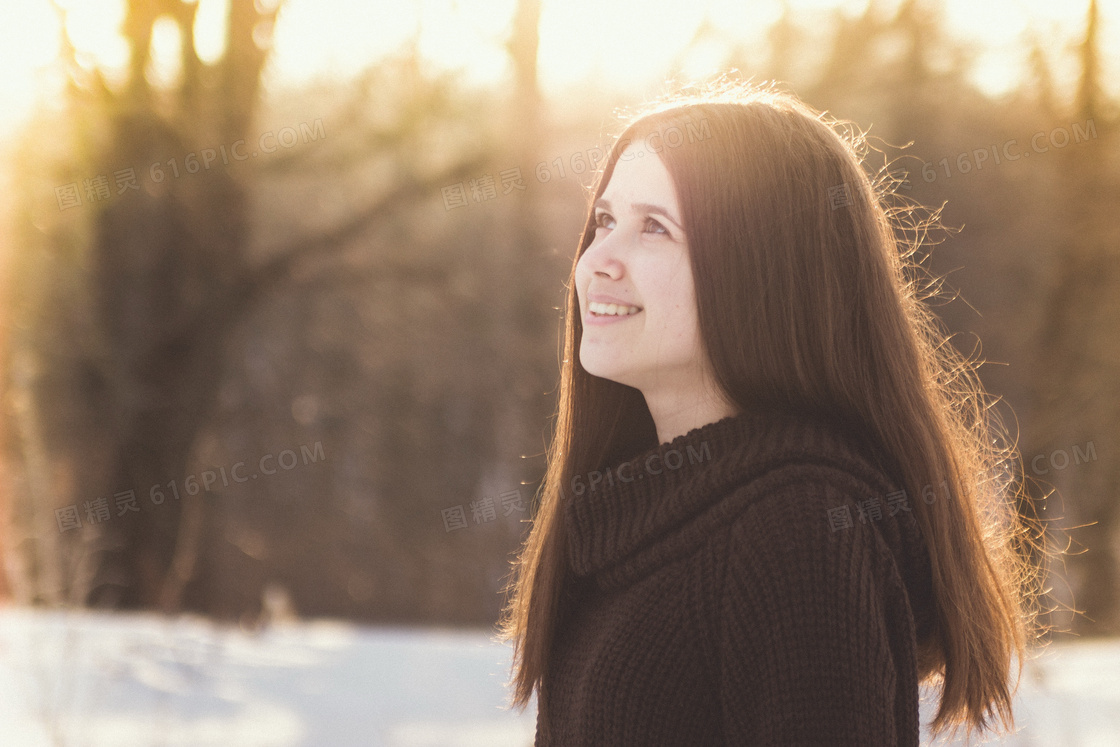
[{"x": 647, "y": 207}]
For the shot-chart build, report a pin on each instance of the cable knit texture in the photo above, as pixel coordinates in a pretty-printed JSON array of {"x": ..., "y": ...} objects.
[{"x": 720, "y": 596}]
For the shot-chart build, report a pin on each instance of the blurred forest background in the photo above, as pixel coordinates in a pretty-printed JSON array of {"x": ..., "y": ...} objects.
[{"x": 318, "y": 380}]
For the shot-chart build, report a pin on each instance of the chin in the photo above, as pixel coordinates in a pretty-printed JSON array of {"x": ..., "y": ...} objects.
[{"x": 604, "y": 369}]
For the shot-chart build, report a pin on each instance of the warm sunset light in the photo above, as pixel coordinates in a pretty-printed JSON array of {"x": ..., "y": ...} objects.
[{"x": 624, "y": 44}]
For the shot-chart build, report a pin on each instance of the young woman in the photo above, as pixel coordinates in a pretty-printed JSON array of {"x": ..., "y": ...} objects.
[{"x": 774, "y": 502}]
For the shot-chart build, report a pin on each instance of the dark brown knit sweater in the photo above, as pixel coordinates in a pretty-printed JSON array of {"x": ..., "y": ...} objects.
[{"x": 755, "y": 581}]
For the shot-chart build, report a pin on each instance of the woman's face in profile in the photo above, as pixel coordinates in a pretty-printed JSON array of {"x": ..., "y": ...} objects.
[{"x": 634, "y": 282}]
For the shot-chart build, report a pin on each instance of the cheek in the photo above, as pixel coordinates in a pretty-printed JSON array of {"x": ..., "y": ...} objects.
[
  {"x": 685, "y": 326},
  {"x": 682, "y": 301},
  {"x": 674, "y": 316}
]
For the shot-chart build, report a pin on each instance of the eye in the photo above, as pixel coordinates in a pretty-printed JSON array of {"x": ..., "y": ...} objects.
[{"x": 604, "y": 220}]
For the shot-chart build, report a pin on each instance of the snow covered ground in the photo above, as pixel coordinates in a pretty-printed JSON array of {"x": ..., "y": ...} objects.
[
  {"x": 109, "y": 680},
  {"x": 94, "y": 679}
]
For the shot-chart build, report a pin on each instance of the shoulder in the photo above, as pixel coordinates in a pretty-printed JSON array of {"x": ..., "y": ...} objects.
[
  {"x": 803, "y": 536},
  {"x": 807, "y": 620},
  {"x": 807, "y": 501},
  {"x": 801, "y": 507}
]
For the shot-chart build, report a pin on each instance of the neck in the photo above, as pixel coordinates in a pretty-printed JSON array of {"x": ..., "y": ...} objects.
[{"x": 675, "y": 414}]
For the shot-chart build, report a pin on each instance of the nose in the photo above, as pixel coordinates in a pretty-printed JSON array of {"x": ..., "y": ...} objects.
[{"x": 602, "y": 260}]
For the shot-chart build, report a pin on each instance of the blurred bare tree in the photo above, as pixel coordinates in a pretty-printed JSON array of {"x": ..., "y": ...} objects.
[
  {"x": 1076, "y": 393},
  {"x": 170, "y": 276}
]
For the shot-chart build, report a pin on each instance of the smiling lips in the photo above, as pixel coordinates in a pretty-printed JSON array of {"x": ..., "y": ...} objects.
[{"x": 611, "y": 309}]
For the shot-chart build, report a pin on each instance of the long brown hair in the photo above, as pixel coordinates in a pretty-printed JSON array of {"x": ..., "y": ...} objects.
[{"x": 809, "y": 299}]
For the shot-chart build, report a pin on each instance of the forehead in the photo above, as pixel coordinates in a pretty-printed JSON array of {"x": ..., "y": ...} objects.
[{"x": 640, "y": 176}]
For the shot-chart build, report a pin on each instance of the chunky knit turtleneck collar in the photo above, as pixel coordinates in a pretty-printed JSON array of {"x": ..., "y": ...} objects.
[{"x": 675, "y": 481}]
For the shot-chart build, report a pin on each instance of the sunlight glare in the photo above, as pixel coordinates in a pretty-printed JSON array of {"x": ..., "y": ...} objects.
[
  {"x": 625, "y": 45},
  {"x": 210, "y": 28},
  {"x": 628, "y": 43},
  {"x": 313, "y": 38},
  {"x": 94, "y": 29},
  {"x": 165, "y": 65},
  {"x": 28, "y": 43}
]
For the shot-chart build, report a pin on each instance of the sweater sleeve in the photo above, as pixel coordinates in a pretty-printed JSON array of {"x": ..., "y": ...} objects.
[{"x": 803, "y": 635}]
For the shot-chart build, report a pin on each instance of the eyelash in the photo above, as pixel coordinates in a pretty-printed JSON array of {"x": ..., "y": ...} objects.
[{"x": 599, "y": 222}]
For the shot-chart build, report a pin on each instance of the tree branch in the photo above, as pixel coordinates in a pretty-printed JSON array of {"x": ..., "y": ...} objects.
[{"x": 259, "y": 280}]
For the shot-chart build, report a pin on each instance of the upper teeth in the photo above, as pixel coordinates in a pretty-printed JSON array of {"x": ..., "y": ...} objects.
[{"x": 612, "y": 308}]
